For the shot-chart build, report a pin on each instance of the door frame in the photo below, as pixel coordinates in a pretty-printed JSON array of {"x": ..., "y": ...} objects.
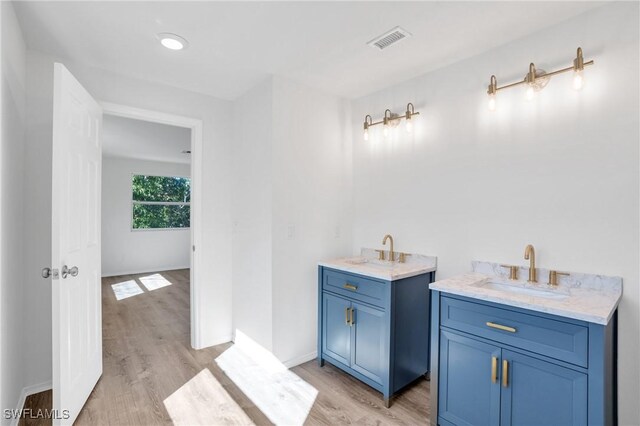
[{"x": 195, "y": 125}]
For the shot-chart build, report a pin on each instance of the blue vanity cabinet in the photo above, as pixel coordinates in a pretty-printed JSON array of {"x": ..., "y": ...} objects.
[
  {"x": 375, "y": 330},
  {"x": 542, "y": 393},
  {"x": 469, "y": 396},
  {"x": 495, "y": 364}
]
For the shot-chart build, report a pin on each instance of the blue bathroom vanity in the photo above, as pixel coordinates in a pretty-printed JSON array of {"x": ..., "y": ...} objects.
[
  {"x": 526, "y": 355},
  {"x": 373, "y": 319}
]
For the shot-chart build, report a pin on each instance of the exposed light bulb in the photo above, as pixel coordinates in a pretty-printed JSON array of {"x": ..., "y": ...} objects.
[
  {"x": 492, "y": 102},
  {"x": 409, "y": 125},
  {"x": 530, "y": 93},
  {"x": 366, "y": 134},
  {"x": 385, "y": 130},
  {"x": 578, "y": 80}
]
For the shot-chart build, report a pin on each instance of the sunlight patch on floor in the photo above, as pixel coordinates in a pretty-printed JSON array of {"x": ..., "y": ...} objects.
[
  {"x": 126, "y": 289},
  {"x": 203, "y": 401},
  {"x": 280, "y": 394},
  {"x": 154, "y": 282}
]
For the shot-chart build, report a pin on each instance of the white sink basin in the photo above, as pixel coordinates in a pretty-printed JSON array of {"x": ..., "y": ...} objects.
[
  {"x": 519, "y": 288},
  {"x": 370, "y": 262}
]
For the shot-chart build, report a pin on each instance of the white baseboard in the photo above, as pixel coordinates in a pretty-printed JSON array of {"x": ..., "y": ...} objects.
[
  {"x": 143, "y": 271},
  {"x": 216, "y": 341},
  {"x": 26, "y": 391},
  {"x": 300, "y": 359}
]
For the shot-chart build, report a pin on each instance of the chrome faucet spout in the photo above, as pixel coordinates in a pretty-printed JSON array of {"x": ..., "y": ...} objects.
[
  {"x": 530, "y": 255},
  {"x": 392, "y": 256}
]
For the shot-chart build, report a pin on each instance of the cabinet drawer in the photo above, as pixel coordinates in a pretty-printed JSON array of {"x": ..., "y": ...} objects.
[
  {"x": 355, "y": 287},
  {"x": 553, "y": 338}
]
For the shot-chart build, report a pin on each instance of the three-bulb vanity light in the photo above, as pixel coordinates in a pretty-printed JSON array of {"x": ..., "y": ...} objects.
[
  {"x": 391, "y": 119},
  {"x": 537, "y": 79}
]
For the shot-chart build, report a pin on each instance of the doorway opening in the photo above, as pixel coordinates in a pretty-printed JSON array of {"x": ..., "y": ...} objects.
[{"x": 151, "y": 202}]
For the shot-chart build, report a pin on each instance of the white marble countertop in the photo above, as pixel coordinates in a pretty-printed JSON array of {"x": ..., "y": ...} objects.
[
  {"x": 586, "y": 297},
  {"x": 367, "y": 264}
]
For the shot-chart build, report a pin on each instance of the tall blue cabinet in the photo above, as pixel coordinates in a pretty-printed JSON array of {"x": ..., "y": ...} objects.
[
  {"x": 499, "y": 365},
  {"x": 375, "y": 330}
]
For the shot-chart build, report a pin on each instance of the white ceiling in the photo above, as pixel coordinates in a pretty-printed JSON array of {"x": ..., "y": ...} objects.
[
  {"x": 233, "y": 46},
  {"x": 142, "y": 140}
]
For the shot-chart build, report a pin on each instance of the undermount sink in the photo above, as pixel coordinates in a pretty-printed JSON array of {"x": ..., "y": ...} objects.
[
  {"x": 370, "y": 262},
  {"x": 521, "y": 289}
]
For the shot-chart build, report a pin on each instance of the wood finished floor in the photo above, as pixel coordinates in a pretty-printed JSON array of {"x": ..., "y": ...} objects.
[{"x": 147, "y": 356}]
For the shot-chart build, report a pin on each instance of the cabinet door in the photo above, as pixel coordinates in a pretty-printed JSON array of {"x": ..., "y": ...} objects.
[
  {"x": 369, "y": 355},
  {"x": 336, "y": 332},
  {"x": 541, "y": 393},
  {"x": 468, "y": 381}
]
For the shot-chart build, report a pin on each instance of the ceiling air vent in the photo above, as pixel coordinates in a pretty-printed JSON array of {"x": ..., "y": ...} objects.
[{"x": 389, "y": 38}]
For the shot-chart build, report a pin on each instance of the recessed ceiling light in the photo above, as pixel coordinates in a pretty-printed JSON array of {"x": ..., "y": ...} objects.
[{"x": 172, "y": 41}]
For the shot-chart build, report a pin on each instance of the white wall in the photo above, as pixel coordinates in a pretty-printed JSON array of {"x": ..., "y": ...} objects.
[
  {"x": 291, "y": 163},
  {"x": 560, "y": 172},
  {"x": 125, "y": 251},
  {"x": 13, "y": 90},
  {"x": 252, "y": 203},
  {"x": 215, "y": 286},
  {"x": 311, "y": 208}
]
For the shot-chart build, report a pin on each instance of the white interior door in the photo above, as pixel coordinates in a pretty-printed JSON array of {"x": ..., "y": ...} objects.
[{"x": 77, "y": 313}]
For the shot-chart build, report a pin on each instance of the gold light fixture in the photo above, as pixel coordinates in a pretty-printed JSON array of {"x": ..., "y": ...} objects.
[
  {"x": 537, "y": 79},
  {"x": 389, "y": 120}
]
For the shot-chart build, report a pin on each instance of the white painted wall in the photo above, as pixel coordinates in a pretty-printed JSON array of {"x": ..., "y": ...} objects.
[
  {"x": 125, "y": 251},
  {"x": 291, "y": 162},
  {"x": 252, "y": 214},
  {"x": 216, "y": 228},
  {"x": 13, "y": 106},
  {"x": 560, "y": 172},
  {"x": 311, "y": 208}
]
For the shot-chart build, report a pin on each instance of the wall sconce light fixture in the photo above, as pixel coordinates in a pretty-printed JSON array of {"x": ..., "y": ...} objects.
[
  {"x": 389, "y": 120},
  {"x": 537, "y": 79}
]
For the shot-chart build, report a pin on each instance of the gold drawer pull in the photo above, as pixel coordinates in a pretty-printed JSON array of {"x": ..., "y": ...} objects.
[
  {"x": 494, "y": 369},
  {"x": 351, "y": 287},
  {"x": 505, "y": 373},
  {"x": 501, "y": 327},
  {"x": 346, "y": 316}
]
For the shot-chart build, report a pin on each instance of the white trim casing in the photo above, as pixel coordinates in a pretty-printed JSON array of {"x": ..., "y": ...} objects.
[
  {"x": 26, "y": 391},
  {"x": 196, "y": 196}
]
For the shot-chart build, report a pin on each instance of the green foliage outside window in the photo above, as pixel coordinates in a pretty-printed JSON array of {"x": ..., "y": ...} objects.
[{"x": 161, "y": 202}]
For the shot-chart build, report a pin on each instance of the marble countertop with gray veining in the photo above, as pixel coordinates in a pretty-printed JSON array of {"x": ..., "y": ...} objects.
[
  {"x": 367, "y": 264},
  {"x": 586, "y": 297}
]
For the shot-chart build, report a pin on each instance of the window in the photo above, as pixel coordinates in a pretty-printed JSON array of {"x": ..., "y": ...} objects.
[{"x": 161, "y": 202}]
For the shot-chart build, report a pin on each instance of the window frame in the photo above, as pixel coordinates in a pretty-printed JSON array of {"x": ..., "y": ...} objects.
[{"x": 158, "y": 203}]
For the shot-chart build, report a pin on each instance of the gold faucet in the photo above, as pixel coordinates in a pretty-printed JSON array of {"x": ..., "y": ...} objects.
[
  {"x": 530, "y": 255},
  {"x": 384, "y": 242}
]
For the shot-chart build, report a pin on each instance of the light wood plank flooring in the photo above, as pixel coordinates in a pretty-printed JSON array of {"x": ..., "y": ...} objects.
[{"x": 147, "y": 357}]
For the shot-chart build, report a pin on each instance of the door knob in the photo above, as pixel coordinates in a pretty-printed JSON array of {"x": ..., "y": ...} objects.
[
  {"x": 66, "y": 271},
  {"x": 48, "y": 272}
]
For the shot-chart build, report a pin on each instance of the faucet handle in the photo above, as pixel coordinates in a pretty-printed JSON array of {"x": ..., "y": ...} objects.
[
  {"x": 402, "y": 257},
  {"x": 553, "y": 276},
  {"x": 380, "y": 254},
  {"x": 513, "y": 271}
]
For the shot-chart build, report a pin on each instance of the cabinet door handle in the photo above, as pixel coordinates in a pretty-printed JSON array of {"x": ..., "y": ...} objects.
[
  {"x": 352, "y": 320},
  {"x": 351, "y": 287},
  {"x": 346, "y": 316},
  {"x": 505, "y": 373},
  {"x": 494, "y": 369},
  {"x": 501, "y": 327}
]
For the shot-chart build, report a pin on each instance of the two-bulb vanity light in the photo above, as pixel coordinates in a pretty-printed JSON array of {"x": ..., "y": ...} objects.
[
  {"x": 537, "y": 79},
  {"x": 389, "y": 120}
]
